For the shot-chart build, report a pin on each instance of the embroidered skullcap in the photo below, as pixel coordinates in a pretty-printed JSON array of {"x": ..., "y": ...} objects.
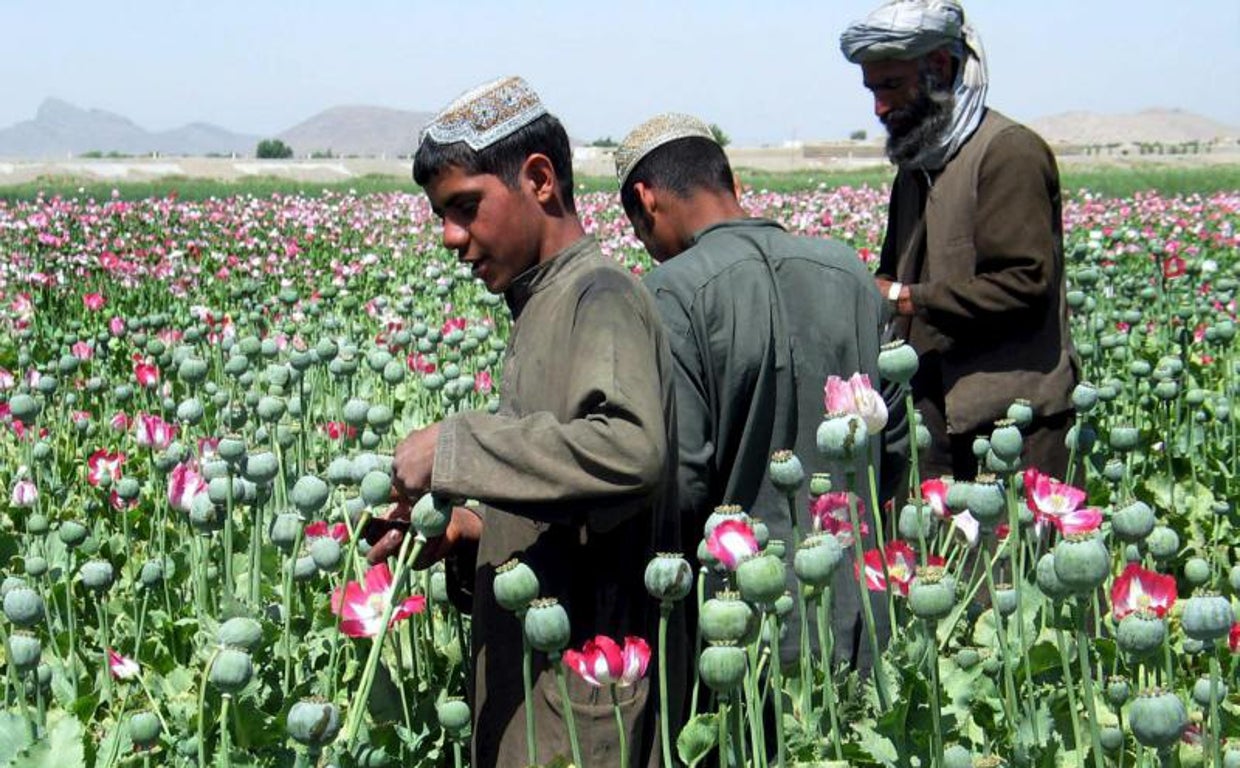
[
  {"x": 484, "y": 115},
  {"x": 653, "y": 134},
  {"x": 905, "y": 29}
]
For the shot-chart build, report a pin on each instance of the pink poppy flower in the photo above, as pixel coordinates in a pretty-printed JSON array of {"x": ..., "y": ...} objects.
[
  {"x": 934, "y": 493},
  {"x": 901, "y": 564},
  {"x": 1174, "y": 266},
  {"x": 146, "y": 373},
  {"x": 602, "y": 661},
  {"x": 82, "y": 351},
  {"x": 94, "y": 301},
  {"x": 24, "y": 494},
  {"x": 1077, "y": 521},
  {"x": 361, "y": 605},
  {"x": 830, "y": 513},
  {"x": 1233, "y": 638},
  {"x": 731, "y": 542},
  {"x": 153, "y": 432},
  {"x": 103, "y": 464},
  {"x": 1137, "y": 588},
  {"x": 120, "y": 421},
  {"x": 122, "y": 667},
  {"x": 856, "y": 395},
  {"x": 184, "y": 483},
  {"x": 319, "y": 528},
  {"x": 7, "y": 380},
  {"x": 420, "y": 363},
  {"x": 207, "y": 448},
  {"x": 116, "y": 326},
  {"x": 482, "y": 382},
  {"x": 1048, "y": 498},
  {"x": 337, "y": 430}
]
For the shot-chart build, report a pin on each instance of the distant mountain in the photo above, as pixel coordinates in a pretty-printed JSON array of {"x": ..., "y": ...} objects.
[
  {"x": 358, "y": 130},
  {"x": 60, "y": 128},
  {"x": 1169, "y": 126}
]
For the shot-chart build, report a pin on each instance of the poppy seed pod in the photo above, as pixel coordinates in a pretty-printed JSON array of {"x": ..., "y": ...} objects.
[
  {"x": 842, "y": 438},
  {"x": 431, "y": 514},
  {"x": 916, "y": 522},
  {"x": 1117, "y": 691},
  {"x": 25, "y": 650},
  {"x": 515, "y": 586},
  {"x": 1006, "y": 440},
  {"x": 240, "y": 632},
  {"x": 304, "y": 569},
  {"x": 1207, "y": 617},
  {"x": 152, "y": 573},
  {"x": 71, "y": 533},
  {"x": 957, "y": 756},
  {"x": 354, "y": 412},
  {"x": 1124, "y": 439},
  {"x": 35, "y": 566},
  {"x": 326, "y": 553},
  {"x": 986, "y": 501},
  {"x": 25, "y": 407},
  {"x": 97, "y": 575},
  {"x": 1197, "y": 571},
  {"x": 897, "y": 361},
  {"x": 546, "y": 625},
  {"x": 1047, "y": 579},
  {"x": 376, "y": 487},
  {"x": 23, "y": 606},
  {"x": 340, "y": 471},
  {"x": 1140, "y": 633},
  {"x": 1020, "y": 412},
  {"x": 726, "y": 618},
  {"x": 231, "y": 670},
  {"x": 817, "y": 558},
  {"x": 1133, "y": 522},
  {"x": 932, "y": 593},
  {"x": 1081, "y": 562},
  {"x": 309, "y": 494},
  {"x": 144, "y": 728},
  {"x": 761, "y": 579},
  {"x": 786, "y": 472},
  {"x": 819, "y": 483},
  {"x": 722, "y": 667},
  {"x": 1202, "y": 691},
  {"x": 37, "y": 524},
  {"x": 284, "y": 530},
  {"x": 1157, "y": 718},
  {"x": 668, "y": 577},
  {"x": 261, "y": 467},
  {"x": 453, "y": 715},
  {"x": 1163, "y": 543}
]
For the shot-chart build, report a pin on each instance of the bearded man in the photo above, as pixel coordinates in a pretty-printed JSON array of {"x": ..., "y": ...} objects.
[{"x": 972, "y": 263}]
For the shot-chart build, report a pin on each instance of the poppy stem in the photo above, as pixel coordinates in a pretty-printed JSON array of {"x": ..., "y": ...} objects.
[
  {"x": 624, "y": 744},
  {"x": 568, "y": 708}
]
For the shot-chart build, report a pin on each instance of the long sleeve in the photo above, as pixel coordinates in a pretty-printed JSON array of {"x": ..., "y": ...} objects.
[
  {"x": 611, "y": 447},
  {"x": 1014, "y": 240}
]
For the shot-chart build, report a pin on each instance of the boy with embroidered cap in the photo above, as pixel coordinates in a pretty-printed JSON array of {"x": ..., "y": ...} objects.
[
  {"x": 972, "y": 262},
  {"x": 757, "y": 319},
  {"x": 576, "y": 471}
]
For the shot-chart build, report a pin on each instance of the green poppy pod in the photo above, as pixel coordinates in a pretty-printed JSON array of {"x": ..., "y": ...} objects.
[
  {"x": 25, "y": 650},
  {"x": 1111, "y": 738},
  {"x": 1202, "y": 691},
  {"x": 932, "y": 594},
  {"x": 261, "y": 467},
  {"x": 326, "y": 553},
  {"x": 205, "y": 515},
  {"x": 724, "y": 512},
  {"x": 377, "y": 359},
  {"x": 326, "y": 350},
  {"x": 438, "y": 589},
  {"x": 1124, "y": 439},
  {"x": 144, "y": 728},
  {"x": 270, "y": 409},
  {"x": 240, "y": 632},
  {"x": 192, "y": 370},
  {"x": 819, "y": 483},
  {"x": 1006, "y": 440},
  {"x": 1207, "y": 617},
  {"x": 668, "y": 577},
  {"x": 453, "y": 715},
  {"x": 817, "y": 558},
  {"x": 916, "y": 522},
  {"x": 786, "y": 472},
  {"x": 1231, "y": 755},
  {"x": 376, "y": 487},
  {"x": 152, "y": 574},
  {"x": 897, "y": 361},
  {"x": 967, "y": 658},
  {"x": 722, "y": 667},
  {"x": 379, "y": 417},
  {"x": 1020, "y": 412},
  {"x": 35, "y": 566},
  {"x": 190, "y": 411},
  {"x": 1133, "y": 522},
  {"x": 97, "y": 575},
  {"x": 842, "y": 438},
  {"x": 1047, "y": 580},
  {"x": 981, "y": 447},
  {"x": 128, "y": 488},
  {"x": 1163, "y": 543},
  {"x": 726, "y": 618},
  {"x": 431, "y": 514},
  {"x": 1233, "y": 578},
  {"x": 37, "y": 524},
  {"x": 340, "y": 471},
  {"x": 546, "y": 625},
  {"x": 24, "y": 407},
  {"x": 986, "y": 501},
  {"x": 304, "y": 569},
  {"x": 957, "y": 756},
  {"x": 1081, "y": 562},
  {"x": 761, "y": 579},
  {"x": 309, "y": 494},
  {"x": 515, "y": 585},
  {"x": 1197, "y": 571},
  {"x": 1140, "y": 633},
  {"x": 1005, "y": 599},
  {"x": 231, "y": 670},
  {"x": 284, "y": 530},
  {"x": 354, "y": 412},
  {"x": 393, "y": 373},
  {"x": 23, "y": 606},
  {"x": 1117, "y": 692},
  {"x": 1157, "y": 718}
]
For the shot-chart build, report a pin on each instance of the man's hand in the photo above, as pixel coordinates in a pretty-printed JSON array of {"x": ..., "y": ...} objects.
[
  {"x": 413, "y": 463},
  {"x": 903, "y": 304},
  {"x": 464, "y": 528}
]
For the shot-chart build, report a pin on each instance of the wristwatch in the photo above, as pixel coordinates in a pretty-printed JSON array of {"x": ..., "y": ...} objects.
[{"x": 893, "y": 291}]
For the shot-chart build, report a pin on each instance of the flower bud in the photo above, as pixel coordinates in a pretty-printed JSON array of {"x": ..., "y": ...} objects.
[{"x": 668, "y": 577}]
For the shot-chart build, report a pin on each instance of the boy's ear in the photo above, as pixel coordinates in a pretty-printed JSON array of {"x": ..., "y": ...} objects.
[
  {"x": 539, "y": 176},
  {"x": 647, "y": 197}
]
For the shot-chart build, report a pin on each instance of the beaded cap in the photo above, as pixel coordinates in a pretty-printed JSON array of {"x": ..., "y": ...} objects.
[
  {"x": 653, "y": 134},
  {"x": 485, "y": 114}
]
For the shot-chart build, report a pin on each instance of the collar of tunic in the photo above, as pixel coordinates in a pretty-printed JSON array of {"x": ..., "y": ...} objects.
[
  {"x": 539, "y": 276},
  {"x": 728, "y": 224}
]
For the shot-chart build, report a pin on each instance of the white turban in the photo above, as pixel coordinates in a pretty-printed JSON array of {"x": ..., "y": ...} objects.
[{"x": 910, "y": 29}]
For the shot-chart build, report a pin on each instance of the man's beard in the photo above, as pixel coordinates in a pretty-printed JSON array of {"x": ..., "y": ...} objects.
[{"x": 920, "y": 125}]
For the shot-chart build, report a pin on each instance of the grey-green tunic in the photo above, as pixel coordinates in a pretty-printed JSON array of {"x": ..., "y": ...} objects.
[
  {"x": 758, "y": 319},
  {"x": 576, "y": 473}
]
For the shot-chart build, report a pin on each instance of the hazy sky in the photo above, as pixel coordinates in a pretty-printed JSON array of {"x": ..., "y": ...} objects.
[{"x": 765, "y": 70}]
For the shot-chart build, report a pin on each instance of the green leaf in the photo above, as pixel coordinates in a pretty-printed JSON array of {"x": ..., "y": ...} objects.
[
  {"x": 62, "y": 748},
  {"x": 877, "y": 747},
  {"x": 14, "y": 735},
  {"x": 697, "y": 738}
]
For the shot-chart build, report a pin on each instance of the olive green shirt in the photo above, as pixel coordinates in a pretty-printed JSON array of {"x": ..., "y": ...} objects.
[
  {"x": 576, "y": 475},
  {"x": 758, "y": 319}
]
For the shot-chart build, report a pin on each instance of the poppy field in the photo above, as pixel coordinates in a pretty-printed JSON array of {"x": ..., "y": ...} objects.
[{"x": 199, "y": 400}]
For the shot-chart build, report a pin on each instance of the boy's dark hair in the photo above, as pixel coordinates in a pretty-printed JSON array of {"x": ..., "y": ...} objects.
[
  {"x": 681, "y": 167},
  {"x": 545, "y": 136}
]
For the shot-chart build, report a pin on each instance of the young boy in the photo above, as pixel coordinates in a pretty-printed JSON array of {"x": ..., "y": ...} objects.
[{"x": 576, "y": 471}]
